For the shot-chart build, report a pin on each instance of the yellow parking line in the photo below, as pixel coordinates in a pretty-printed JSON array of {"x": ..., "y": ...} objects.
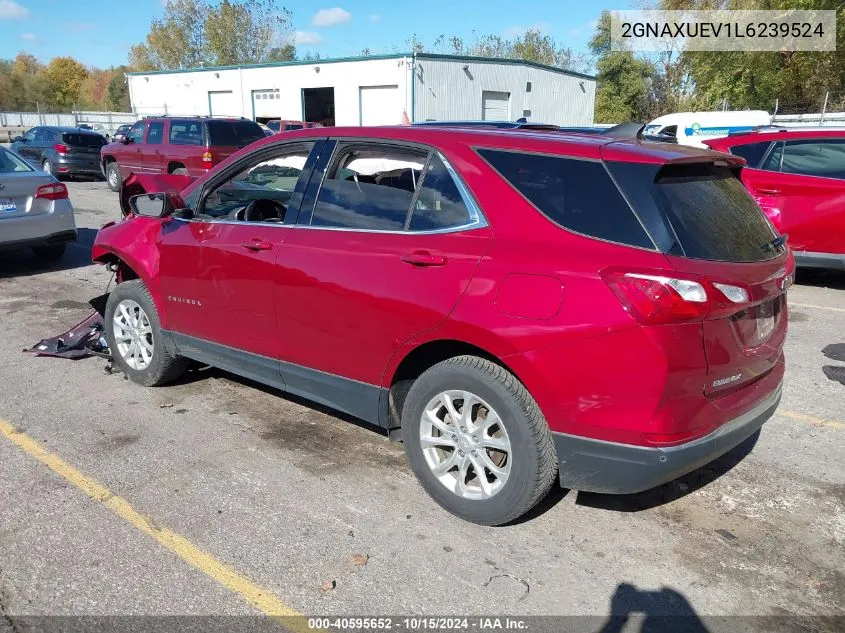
[
  {"x": 808, "y": 305},
  {"x": 257, "y": 596},
  {"x": 811, "y": 419}
]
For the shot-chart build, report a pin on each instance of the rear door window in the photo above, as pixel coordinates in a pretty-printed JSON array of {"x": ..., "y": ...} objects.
[
  {"x": 439, "y": 204},
  {"x": 773, "y": 160},
  {"x": 823, "y": 158},
  {"x": 369, "y": 187},
  {"x": 712, "y": 214},
  {"x": 233, "y": 133},
  {"x": 184, "y": 132},
  {"x": 752, "y": 152},
  {"x": 576, "y": 194},
  {"x": 83, "y": 140}
]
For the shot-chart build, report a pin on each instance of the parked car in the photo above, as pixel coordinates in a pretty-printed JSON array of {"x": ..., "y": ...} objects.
[
  {"x": 178, "y": 145},
  {"x": 798, "y": 177},
  {"x": 696, "y": 128},
  {"x": 96, "y": 127},
  {"x": 288, "y": 126},
  {"x": 61, "y": 151},
  {"x": 35, "y": 211},
  {"x": 120, "y": 134},
  {"x": 518, "y": 308},
  {"x": 267, "y": 131}
]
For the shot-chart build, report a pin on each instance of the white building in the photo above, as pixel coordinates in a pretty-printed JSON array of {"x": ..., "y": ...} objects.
[{"x": 377, "y": 90}]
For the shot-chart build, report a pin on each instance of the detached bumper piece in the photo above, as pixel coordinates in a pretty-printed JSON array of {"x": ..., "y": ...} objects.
[
  {"x": 598, "y": 466},
  {"x": 81, "y": 341}
]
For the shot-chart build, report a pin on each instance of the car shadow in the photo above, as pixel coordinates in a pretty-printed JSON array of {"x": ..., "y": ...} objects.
[
  {"x": 21, "y": 263},
  {"x": 664, "y": 610},
  {"x": 672, "y": 490},
  {"x": 820, "y": 278}
]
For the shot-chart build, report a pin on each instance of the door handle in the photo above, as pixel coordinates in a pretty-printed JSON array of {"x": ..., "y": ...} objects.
[
  {"x": 424, "y": 258},
  {"x": 769, "y": 192},
  {"x": 256, "y": 244}
]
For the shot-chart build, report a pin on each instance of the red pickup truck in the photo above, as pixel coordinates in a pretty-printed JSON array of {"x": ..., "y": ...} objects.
[{"x": 176, "y": 145}]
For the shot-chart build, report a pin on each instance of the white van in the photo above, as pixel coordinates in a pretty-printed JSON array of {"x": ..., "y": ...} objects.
[{"x": 691, "y": 128}]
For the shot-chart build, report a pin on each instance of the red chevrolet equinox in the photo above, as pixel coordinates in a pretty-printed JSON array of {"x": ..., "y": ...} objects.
[
  {"x": 798, "y": 178},
  {"x": 518, "y": 307}
]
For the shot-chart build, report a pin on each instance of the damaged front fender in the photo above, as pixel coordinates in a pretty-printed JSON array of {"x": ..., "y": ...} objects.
[{"x": 152, "y": 183}]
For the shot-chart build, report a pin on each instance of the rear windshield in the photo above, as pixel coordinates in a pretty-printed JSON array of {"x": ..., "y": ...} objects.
[
  {"x": 233, "y": 133},
  {"x": 712, "y": 215},
  {"x": 9, "y": 163},
  {"x": 83, "y": 140}
]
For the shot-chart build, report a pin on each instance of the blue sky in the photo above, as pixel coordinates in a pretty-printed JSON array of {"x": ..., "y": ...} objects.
[{"x": 99, "y": 33}]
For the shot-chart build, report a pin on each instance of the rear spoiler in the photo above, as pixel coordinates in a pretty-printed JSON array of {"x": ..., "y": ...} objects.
[{"x": 158, "y": 183}]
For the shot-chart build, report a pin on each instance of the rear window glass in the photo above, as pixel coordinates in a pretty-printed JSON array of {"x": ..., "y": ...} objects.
[
  {"x": 712, "y": 214},
  {"x": 578, "y": 195},
  {"x": 233, "y": 133},
  {"x": 9, "y": 163},
  {"x": 185, "y": 132},
  {"x": 293, "y": 126},
  {"x": 83, "y": 140},
  {"x": 439, "y": 204},
  {"x": 752, "y": 152}
]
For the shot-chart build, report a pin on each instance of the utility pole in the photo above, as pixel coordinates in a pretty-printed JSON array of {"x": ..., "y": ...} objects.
[{"x": 824, "y": 108}]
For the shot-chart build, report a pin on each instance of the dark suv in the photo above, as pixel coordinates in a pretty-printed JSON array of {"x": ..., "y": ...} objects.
[
  {"x": 61, "y": 151},
  {"x": 176, "y": 145}
]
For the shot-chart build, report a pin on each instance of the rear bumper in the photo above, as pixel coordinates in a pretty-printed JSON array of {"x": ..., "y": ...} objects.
[
  {"x": 598, "y": 466},
  {"x": 35, "y": 230},
  {"x": 78, "y": 166},
  {"x": 835, "y": 261}
]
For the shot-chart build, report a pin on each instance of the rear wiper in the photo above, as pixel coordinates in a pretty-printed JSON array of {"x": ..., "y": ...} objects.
[{"x": 778, "y": 242}]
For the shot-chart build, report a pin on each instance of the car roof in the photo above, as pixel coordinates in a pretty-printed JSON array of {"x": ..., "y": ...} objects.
[
  {"x": 768, "y": 134},
  {"x": 540, "y": 141},
  {"x": 66, "y": 129}
]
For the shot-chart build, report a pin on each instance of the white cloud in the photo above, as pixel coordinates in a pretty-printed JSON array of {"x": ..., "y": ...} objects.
[
  {"x": 331, "y": 17},
  {"x": 30, "y": 37},
  {"x": 11, "y": 10},
  {"x": 307, "y": 38},
  {"x": 575, "y": 32},
  {"x": 518, "y": 29},
  {"x": 375, "y": 17}
]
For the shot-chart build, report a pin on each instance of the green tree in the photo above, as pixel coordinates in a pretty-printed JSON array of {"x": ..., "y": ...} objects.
[
  {"x": 118, "y": 93},
  {"x": 193, "y": 33},
  {"x": 66, "y": 76},
  {"x": 625, "y": 83}
]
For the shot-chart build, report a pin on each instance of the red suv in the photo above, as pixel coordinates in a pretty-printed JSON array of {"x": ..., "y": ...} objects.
[
  {"x": 798, "y": 178},
  {"x": 516, "y": 307},
  {"x": 177, "y": 145}
]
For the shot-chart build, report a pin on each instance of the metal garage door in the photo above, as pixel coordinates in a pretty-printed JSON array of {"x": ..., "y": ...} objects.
[
  {"x": 266, "y": 104},
  {"x": 223, "y": 103},
  {"x": 380, "y": 105},
  {"x": 496, "y": 106}
]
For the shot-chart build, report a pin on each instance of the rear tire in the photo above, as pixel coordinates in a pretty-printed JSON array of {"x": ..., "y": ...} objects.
[
  {"x": 50, "y": 253},
  {"x": 47, "y": 167},
  {"x": 450, "y": 456},
  {"x": 135, "y": 339},
  {"x": 113, "y": 176}
]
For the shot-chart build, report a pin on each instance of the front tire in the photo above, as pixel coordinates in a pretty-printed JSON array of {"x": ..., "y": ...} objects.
[
  {"x": 477, "y": 441},
  {"x": 180, "y": 171},
  {"x": 47, "y": 167},
  {"x": 135, "y": 339},
  {"x": 113, "y": 176}
]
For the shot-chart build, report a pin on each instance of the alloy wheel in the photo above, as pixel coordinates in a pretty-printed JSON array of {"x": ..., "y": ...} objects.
[{"x": 133, "y": 334}]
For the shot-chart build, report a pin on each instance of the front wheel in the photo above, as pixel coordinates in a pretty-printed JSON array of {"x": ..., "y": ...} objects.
[
  {"x": 477, "y": 441},
  {"x": 135, "y": 339},
  {"x": 113, "y": 176},
  {"x": 47, "y": 167},
  {"x": 180, "y": 171}
]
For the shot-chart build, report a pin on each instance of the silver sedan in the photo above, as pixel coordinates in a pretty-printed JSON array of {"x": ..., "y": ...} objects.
[{"x": 35, "y": 211}]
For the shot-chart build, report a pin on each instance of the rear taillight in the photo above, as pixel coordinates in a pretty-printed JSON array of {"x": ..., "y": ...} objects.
[
  {"x": 61, "y": 148},
  {"x": 51, "y": 192},
  {"x": 207, "y": 160},
  {"x": 655, "y": 299}
]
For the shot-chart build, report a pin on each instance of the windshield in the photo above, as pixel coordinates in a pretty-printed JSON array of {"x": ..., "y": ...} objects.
[
  {"x": 10, "y": 163},
  {"x": 233, "y": 133}
]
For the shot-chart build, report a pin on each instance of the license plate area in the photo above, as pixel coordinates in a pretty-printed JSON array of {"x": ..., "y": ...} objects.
[
  {"x": 756, "y": 325},
  {"x": 7, "y": 205}
]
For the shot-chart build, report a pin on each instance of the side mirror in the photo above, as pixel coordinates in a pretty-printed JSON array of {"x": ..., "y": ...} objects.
[
  {"x": 19, "y": 139},
  {"x": 152, "y": 205},
  {"x": 126, "y": 140}
]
